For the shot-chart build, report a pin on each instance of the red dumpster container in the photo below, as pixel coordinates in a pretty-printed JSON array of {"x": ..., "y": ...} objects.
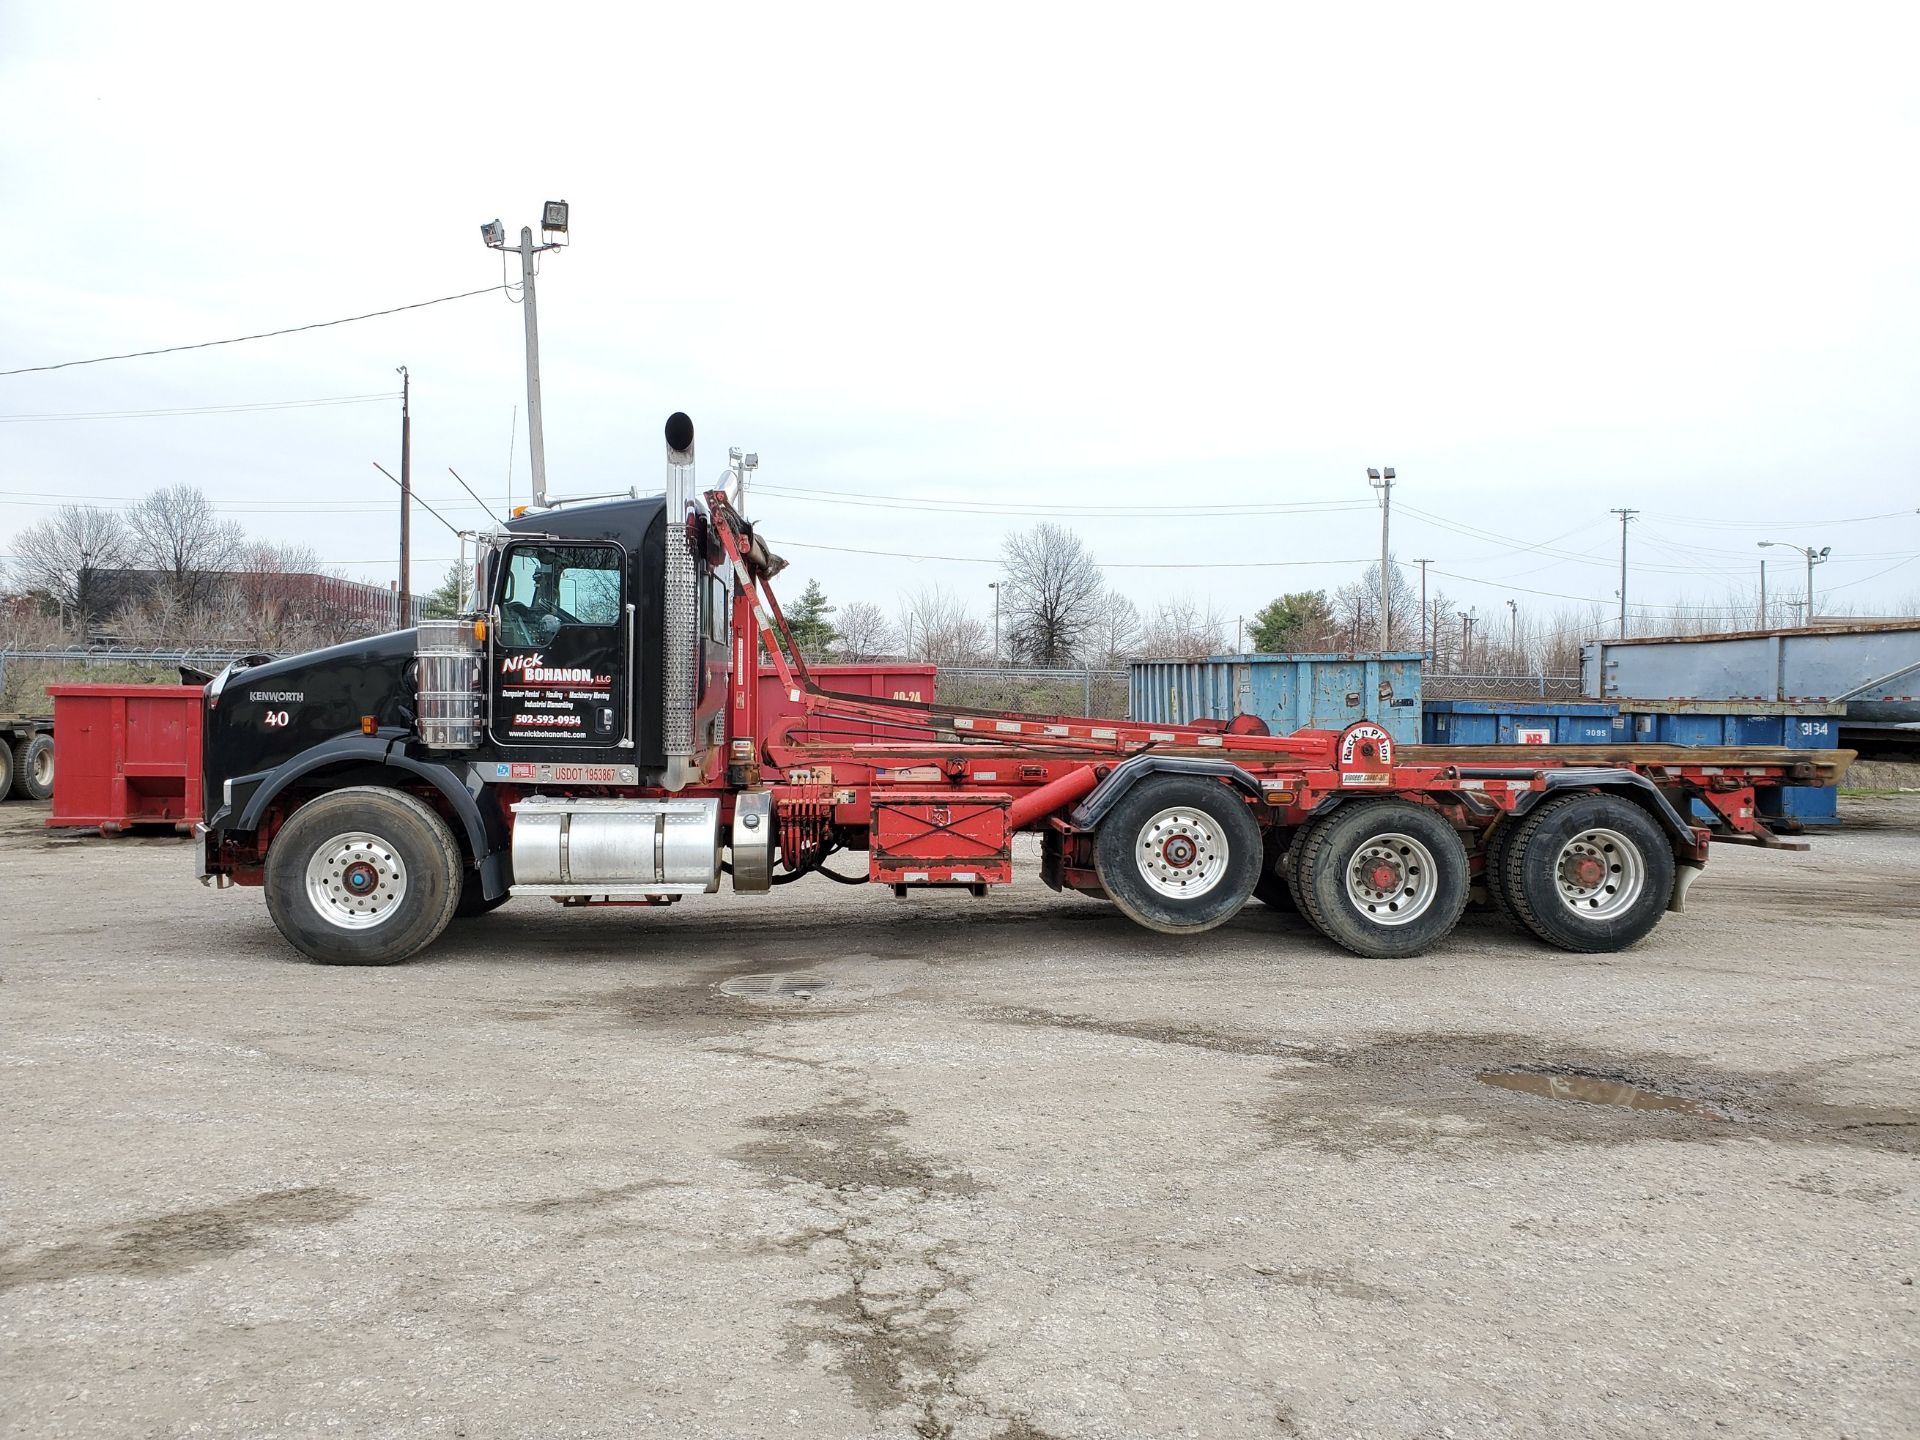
[
  {"x": 886, "y": 681},
  {"x": 129, "y": 755}
]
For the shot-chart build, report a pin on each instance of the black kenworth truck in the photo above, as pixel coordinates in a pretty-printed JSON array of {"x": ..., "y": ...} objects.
[{"x": 338, "y": 779}]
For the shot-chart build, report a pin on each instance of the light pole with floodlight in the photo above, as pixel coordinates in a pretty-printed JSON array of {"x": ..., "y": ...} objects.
[
  {"x": 1814, "y": 557},
  {"x": 553, "y": 221}
]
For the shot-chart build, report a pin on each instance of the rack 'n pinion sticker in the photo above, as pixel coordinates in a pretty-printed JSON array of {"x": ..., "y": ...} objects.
[{"x": 1353, "y": 747}]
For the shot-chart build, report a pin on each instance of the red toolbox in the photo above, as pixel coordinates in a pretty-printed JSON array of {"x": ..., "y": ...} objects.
[
  {"x": 129, "y": 755},
  {"x": 941, "y": 837}
]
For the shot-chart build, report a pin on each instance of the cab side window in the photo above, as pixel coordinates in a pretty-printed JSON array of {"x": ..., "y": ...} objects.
[
  {"x": 717, "y": 608},
  {"x": 546, "y": 587}
]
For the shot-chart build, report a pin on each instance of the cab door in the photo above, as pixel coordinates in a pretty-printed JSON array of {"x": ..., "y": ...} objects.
[{"x": 562, "y": 656}]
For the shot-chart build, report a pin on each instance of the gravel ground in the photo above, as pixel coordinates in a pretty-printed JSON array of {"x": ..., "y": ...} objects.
[{"x": 1006, "y": 1168}]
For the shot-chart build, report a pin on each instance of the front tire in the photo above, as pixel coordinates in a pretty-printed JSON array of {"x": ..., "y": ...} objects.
[
  {"x": 363, "y": 876},
  {"x": 1386, "y": 879},
  {"x": 473, "y": 899},
  {"x": 1588, "y": 873},
  {"x": 1179, "y": 853}
]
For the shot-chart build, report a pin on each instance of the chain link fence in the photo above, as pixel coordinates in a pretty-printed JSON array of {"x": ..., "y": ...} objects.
[
  {"x": 26, "y": 673},
  {"x": 1083, "y": 692},
  {"x": 1441, "y": 686}
]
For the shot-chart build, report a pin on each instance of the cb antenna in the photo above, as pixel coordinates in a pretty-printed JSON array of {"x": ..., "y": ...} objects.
[{"x": 469, "y": 489}]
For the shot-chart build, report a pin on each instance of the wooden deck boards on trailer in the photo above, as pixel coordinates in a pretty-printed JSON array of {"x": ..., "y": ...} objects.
[{"x": 1690, "y": 756}]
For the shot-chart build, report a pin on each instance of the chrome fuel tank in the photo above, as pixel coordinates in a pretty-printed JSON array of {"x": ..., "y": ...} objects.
[{"x": 617, "y": 848}]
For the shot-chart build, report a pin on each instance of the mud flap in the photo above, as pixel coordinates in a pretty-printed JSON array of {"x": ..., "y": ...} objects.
[{"x": 1684, "y": 874}]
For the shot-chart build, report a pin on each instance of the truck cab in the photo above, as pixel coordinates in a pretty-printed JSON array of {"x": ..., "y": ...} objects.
[{"x": 589, "y": 664}]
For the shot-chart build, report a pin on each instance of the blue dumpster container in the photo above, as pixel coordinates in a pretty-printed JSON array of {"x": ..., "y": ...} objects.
[
  {"x": 1289, "y": 692},
  {"x": 1788, "y": 724},
  {"x": 1522, "y": 722}
]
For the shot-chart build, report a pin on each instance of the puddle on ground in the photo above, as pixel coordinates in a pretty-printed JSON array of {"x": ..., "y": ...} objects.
[
  {"x": 780, "y": 985},
  {"x": 1594, "y": 1090}
]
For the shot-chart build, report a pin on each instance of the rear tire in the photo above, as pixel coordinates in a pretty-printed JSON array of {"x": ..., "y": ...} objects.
[
  {"x": 1179, "y": 853},
  {"x": 1493, "y": 872},
  {"x": 1589, "y": 873},
  {"x": 32, "y": 768},
  {"x": 1271, "y": 889},
  {"x": 1386, "y": 879},
  {"x": 6, "y": 769},
  {"x": 363, "y": 876}
]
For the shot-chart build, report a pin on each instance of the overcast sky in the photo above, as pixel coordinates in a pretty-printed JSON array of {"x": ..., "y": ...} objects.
[{"x": 1545, "y": 260}]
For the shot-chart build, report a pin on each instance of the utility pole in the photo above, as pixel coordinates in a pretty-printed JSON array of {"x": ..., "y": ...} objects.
[
  {"x": 553, "y": 221},
  {"x": 1513, "y": 632},
  {"x": 1466, "y": 641},
  {"x": 1426, "y": 649},
  {"x": 1763, "y": 592},
  {"x": 1625, "y": 516},
  {"x": 513, "y": 435},
  {"x": 994, "y": 585},
  {"x": 1382, "y": 481},
  {"x": 404, "y": 603}
]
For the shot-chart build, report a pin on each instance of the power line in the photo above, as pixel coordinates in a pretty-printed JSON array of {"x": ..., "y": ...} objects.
[
  {"x": 1039, "y": 511},
  {"x": 240, "y": 409},
  {"x": 1561, "y": 594},
  {"x": 1747, "y": 555},
  {"x": 329, "y": 560},
  {"x": 285, "y": 507},
  {"x": 262, "y": 335},
  {"x": 1103, "y": 564},
  {"x": 1723, "y": 523},
  {"x": 1546, "y": 547},
  {"x": 1901, "y": 565},
  {"x": 1033, "y": 504}
]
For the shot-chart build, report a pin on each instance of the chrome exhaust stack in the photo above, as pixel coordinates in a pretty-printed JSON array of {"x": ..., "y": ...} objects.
[{"x": 681, "y": 611}]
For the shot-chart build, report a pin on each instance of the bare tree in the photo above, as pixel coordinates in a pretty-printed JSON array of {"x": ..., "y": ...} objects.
[
  {"x": 1050, "y": 594},
  {"x": 1114, "y": 636},
  {"x": 67, "y": 560},
  {"x": 939, "y": 628},
  {"x": 1182, "y": 628},
  {"x": 863, "y": 633},
  {"x": 175, "y": 531},
  {"x": 1357, "y": 609},
  {"x": 282, "y": 598}
]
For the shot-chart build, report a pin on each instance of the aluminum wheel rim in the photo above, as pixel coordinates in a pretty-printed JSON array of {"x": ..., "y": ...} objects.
[
  {"x": 356, "y": 880},
  {"x": 1392, "y": 879},
  {"x": 1599, "y": 874},
  {"x": 1182, "y": 852},
  {"x": 40, "y": 767}
]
